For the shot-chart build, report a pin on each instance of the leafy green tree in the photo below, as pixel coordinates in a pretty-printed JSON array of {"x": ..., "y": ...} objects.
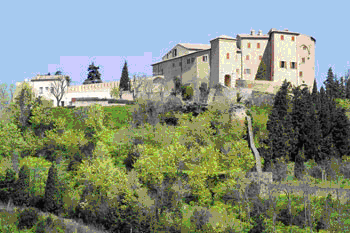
[
  {"x": 21, "y": 191},
  {"x": 94, "y": 75},
  {"x": 124, "y": 80},
  {"x": 261, "y": 73},
  {"x": 53, "y": 195},
  {"x": 24, "y": 101},
  {"x": 115, "y": 92}
]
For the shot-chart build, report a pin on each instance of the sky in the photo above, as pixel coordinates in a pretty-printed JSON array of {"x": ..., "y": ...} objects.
[{"x": 38, "y": 37}]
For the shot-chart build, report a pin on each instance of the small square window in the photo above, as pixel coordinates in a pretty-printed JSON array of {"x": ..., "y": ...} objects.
[
  {"x": 293, "y": 38},
  {"x": 46, "y": 88},
  {"x": 258, "y": 45},
  {"x": 237, "y": 70},
  {"x": 282, "y": 37},
  {"x": 51, "y": 89},
  {"x": 173, "y": 64},
  {"x": 40, "y": 90},
  {"x": 188, "y": 61},
  {"x": 247, "y": 57},
  {"x": 205, "y": 58},
  {"x": 283, "y": 64},
  {"x": 180, "y": 63},
  {"x": 260, "y": 57},
  {"x": 175, "y": 53},
  {"x": 301, "y": 73},
  {"x": 192, "y": 60},
  {"x": 248, "y": 45},
  {"x": 303, "y": 60},
  {"x": 228, "y": 56}
]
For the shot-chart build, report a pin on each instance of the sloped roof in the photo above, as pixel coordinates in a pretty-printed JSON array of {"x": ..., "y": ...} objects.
[{"x": 195, "y": 46}]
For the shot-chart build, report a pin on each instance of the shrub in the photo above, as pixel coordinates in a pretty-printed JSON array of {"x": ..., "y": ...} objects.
[
  {"x": 187, "y": 92},
  {"x": 53, "y": 197},
  {"x": 204, "y": 93},
  {"x": 200, "y": 218},
  {"x": 21, "y": 191},
  {"x": 41, "y": 227},
  {"x": 27, "y": 218}
]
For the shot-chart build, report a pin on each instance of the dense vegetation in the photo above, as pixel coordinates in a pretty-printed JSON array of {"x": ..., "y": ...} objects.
[{"x": 158, "y": 167}]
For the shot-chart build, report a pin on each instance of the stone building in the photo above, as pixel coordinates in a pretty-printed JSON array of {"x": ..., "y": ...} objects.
[{"x": 234, "y": 62}]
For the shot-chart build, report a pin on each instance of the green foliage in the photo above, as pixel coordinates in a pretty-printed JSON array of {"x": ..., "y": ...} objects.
[
  {"x": 115, "y": 92},
  {"x": 21, "y": 191},
  {"x": 261, "y": 73},
  {"x": 187, "y": 92},
  {"x": 53, "y": 195},
  {"x": 27, "y": 218},
  {"x": 10, "y": 139},
  {"x": 125, "y": 80}
]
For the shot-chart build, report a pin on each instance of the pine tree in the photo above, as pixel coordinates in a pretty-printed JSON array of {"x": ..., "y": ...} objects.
[
  {"x": 124, "y": 80},
  {"x": 347, "y": 89},
  {"x": 21, "y": 191},
  {"x": 330, "y": 84},
  {"x": 341, "y": 133},
  {"x": 94, "y": 75},
  {"x": 300, "y": 112},
  {"x": 53, "y": 195},
  {"x": 261, "y": 73},
  {"x": 281, "y": 134}
]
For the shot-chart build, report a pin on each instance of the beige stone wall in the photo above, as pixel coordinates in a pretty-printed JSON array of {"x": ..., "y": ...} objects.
[{"x": 308, "y": 68}]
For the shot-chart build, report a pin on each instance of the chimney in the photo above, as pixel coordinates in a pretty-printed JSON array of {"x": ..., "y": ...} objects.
[
  {"x": 260, "y": 33},
  {"x": 286, "y": 29},
  {"x": 253, "y": 32}
]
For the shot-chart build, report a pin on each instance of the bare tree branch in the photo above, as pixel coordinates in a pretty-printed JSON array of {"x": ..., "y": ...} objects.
[{"x": 58, "y": 89}]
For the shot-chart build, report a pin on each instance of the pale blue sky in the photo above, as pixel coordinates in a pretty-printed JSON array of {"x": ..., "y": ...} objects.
[{"x": 38, "y": 37}]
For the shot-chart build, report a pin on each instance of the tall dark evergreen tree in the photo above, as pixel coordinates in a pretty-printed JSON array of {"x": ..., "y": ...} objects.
[
  {"x": 94, "y": 75},
  {"x": 53, "y": 195},
  {"x": 125, "y": 80},
  {"x": 330, "y": 84},
  {"x": 300, "y": 112},
  {"x": 281, "y": 134},
  {"x": 347, "y": 89},
  {"x": 341, "y": 133},
  {"x": 20, "y": 195}
]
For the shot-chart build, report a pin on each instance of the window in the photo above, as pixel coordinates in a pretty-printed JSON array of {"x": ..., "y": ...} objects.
[
  {"x": 258, "y": 46},
  {"x": 40, "y": 90},
  {"x": 205, "y": 58},
  {"x": 292, "y": 65},
  {"x": 192, "y": 59},
  {"x": 260, "y": 57},
  {"x": 167, "y": 56},
  {"x": 180, "y": 63},
  {"x": 237, "y": 70},
  {"x": 175, "y": 53},
  {"x": 188, "y": 61},
  {"x": 247, "y": 57},
  {"x": 246, "y": 71},
  {"x": 173, "y": 64},
  {"x": 282, "y": 37},
  {"x": 46, "y": 88},
  {"x": 62, "y": 103},
  {"x": 301, "y": 73},
  {"x": 283, "y": 64},
  {"x": 303, "y": 60},
  {"x": 228, "y": 55},
  {"x": 248, "y": 45},
  {"x": 51, "y": 89},
  {"x": 293, "y": 38}
]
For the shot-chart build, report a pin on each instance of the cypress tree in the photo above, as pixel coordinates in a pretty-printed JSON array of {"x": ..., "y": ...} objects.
[
  {"x": 341, "y": 133},
  {"x": 261, "y": 73},
  {"x": 53, "y": 198},
  {"x": 342, "y": 88},
  {"x": 21, "y": 190},
  {"x": 124, "y": 80},
  {"x": 347, "y": 89},
  {"x": 281, "y": 134},
  {"x": 330, "y": 84},
  {"x": 300, "y": 112}
]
